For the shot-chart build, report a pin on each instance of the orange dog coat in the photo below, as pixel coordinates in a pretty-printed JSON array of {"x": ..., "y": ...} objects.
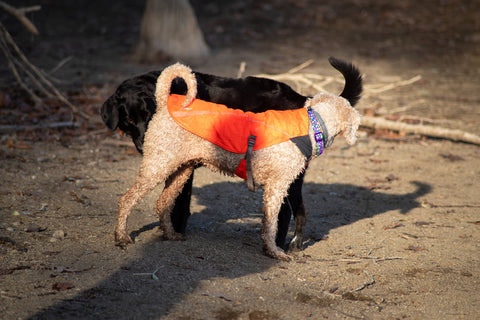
[{"x": 230, "y": 128}]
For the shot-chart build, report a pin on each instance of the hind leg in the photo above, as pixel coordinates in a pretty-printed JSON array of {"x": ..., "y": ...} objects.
[
  {"x": 173, "y": 186},
  {"x": 154, "y": 169},
  {"x": 143, "y": 185}
]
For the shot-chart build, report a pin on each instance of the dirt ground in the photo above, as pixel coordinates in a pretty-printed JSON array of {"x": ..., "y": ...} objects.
[{"x": 393, "y": 228}]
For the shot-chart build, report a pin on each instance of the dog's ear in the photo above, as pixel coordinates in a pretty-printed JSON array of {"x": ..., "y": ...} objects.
[
  {"x": 110, "y": 114},
  {"x": 351, "y": 126}
]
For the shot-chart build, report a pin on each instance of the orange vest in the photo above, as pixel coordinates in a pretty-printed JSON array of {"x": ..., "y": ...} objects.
[{"x": 230, "y": 128}]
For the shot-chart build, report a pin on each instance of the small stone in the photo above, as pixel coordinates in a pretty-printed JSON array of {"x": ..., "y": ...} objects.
[{"x": 58, "y": 235}]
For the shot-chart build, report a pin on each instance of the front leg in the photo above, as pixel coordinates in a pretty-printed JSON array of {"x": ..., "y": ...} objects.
[
  {"x": 272, "y": 199},
  {"x": 300, "y": 220},
  {"x": 292, "y": 204},
  {"x": 181, "y": 209}
]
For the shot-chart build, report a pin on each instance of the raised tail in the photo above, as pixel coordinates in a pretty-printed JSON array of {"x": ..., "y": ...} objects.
[
  {"x": 353, "y": 80},
  {"x": 164, "y": 82}
]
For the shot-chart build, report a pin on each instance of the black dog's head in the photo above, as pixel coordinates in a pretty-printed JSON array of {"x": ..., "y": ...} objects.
[{"x": 131, "y": 107}]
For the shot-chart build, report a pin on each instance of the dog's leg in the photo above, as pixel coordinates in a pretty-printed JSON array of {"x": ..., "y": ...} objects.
[
  {"x": 299, "y": 212},
  {"x": 292, "y": 204},
  {"x": 181, "y": 209},
  {"x": 272, "y": 200},
  {"x": 166, "y": 201},
  {"x": 300, "y": 220},
  {"x": 284, "y": 217},
  {"x": 142, "y": 186}
]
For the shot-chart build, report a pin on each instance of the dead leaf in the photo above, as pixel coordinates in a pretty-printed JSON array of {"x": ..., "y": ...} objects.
[
  {"x": 391, "y": 177},
  {"x": 452, "y": 157},
  {"x": 62, "y": 286},
  {"x": 19, "y": 145},
  {"x": 377, "y": 161},
  {"x": 89, "y": 187},
  {"x": 414, "y": 248},
  {"x": 422, "y": 223},
  {"x": 393, "y": 226}
]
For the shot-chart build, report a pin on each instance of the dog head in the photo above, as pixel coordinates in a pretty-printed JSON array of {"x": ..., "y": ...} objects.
[
  {"x": 338, "y": 115},
  {"x": 131, "y": 107},
  {"x": 337, "y": 111}
]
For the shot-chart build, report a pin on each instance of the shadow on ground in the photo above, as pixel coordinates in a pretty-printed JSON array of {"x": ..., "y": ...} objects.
[{"x": 178, "y": 268}]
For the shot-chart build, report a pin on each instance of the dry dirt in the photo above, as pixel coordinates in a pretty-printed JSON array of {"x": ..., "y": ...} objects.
[{"x": 393, "y": 228}]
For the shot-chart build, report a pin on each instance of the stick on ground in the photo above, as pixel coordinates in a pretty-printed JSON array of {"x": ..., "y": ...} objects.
[{"x": 430, "y": 131}]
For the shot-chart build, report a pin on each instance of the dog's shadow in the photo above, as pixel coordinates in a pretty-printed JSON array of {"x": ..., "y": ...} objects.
[{"x": 229, "y": 207}]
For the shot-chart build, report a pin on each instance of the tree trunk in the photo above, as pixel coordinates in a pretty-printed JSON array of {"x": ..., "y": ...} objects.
[{"x": 170, "y": 29}]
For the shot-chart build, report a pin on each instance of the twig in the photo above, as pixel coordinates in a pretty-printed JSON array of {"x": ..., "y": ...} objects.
[
  {"x": 431, "y": 131},
  {"x": 302, "y": 78},
  {"x": 366, "y": 284},
  {"x": 301, "y": 66},
  {"x": 60, "y": 64},
  {"x": 18, "y": 58},
  {"x": 119, "y": 143},
  {"x": 14, "y": 128},
  {"x": 373, "y": 90},
  {"x": 241, "y": 69},
  {"x": 14, "y": 70},
  {"x": 19, "y": 13},
  {"x": 152, "y": 274}
]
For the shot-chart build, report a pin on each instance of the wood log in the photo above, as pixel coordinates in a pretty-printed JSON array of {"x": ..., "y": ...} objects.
[{"x": 430, "y": 131}]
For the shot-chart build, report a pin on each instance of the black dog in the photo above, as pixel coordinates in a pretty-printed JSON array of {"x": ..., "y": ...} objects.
[{"x": 131, "y": 107}]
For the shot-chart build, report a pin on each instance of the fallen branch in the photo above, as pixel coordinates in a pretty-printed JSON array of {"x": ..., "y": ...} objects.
[
  {"x": 374, "y": 89},
  {"x": 118, "y": 143},
  {"x": 14, "y": 128},
  {"x": 19, "y": 13},
  {"x": 430, "y": 131},
  {"x": 18, "y": 62},
  {"x": 303, "y": 79}
]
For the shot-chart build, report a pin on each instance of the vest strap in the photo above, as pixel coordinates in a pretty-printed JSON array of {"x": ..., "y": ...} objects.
[{"x": 248, "y": 163}]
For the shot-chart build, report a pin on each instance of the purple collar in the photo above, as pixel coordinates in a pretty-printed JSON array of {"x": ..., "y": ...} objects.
[{"x": 320, "y": 138}]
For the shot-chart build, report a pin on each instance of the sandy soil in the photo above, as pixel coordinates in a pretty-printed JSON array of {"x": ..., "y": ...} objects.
[{"x": 393, "y": 224}]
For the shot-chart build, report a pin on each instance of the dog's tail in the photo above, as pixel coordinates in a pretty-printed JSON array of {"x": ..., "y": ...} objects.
[
  {"x": 164, "y": 82},
  {"x": 353, "y": 80}
]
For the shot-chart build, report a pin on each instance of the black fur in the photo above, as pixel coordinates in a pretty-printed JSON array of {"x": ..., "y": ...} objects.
[
  {"x": 353, "y": 80},
  {"x": 132, "y": 105}
]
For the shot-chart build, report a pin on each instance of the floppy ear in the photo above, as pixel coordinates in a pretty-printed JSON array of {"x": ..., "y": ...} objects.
[
  {"x": 351, "y": 126},
  {"x": 110, "y": 115}
]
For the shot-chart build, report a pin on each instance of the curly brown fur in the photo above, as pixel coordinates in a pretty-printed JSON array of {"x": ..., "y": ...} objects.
[{"x": 169, "y": 150}]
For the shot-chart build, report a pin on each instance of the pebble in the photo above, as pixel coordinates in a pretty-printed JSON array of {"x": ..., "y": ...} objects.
[{"x": 57, "y": 235}]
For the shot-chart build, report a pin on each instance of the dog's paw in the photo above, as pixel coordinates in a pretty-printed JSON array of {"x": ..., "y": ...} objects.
[
  {"x": 278, "y": 254},
  {"x": 296, "y": 244},
  {"x": 173, "y": 236},
  {"x": 122, "y": 239}
]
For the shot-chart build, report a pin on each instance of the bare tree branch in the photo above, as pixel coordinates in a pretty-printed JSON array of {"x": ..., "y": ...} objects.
[
  {"x": 19, "y": 13},
  {"x": 16, "y": 59}
]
